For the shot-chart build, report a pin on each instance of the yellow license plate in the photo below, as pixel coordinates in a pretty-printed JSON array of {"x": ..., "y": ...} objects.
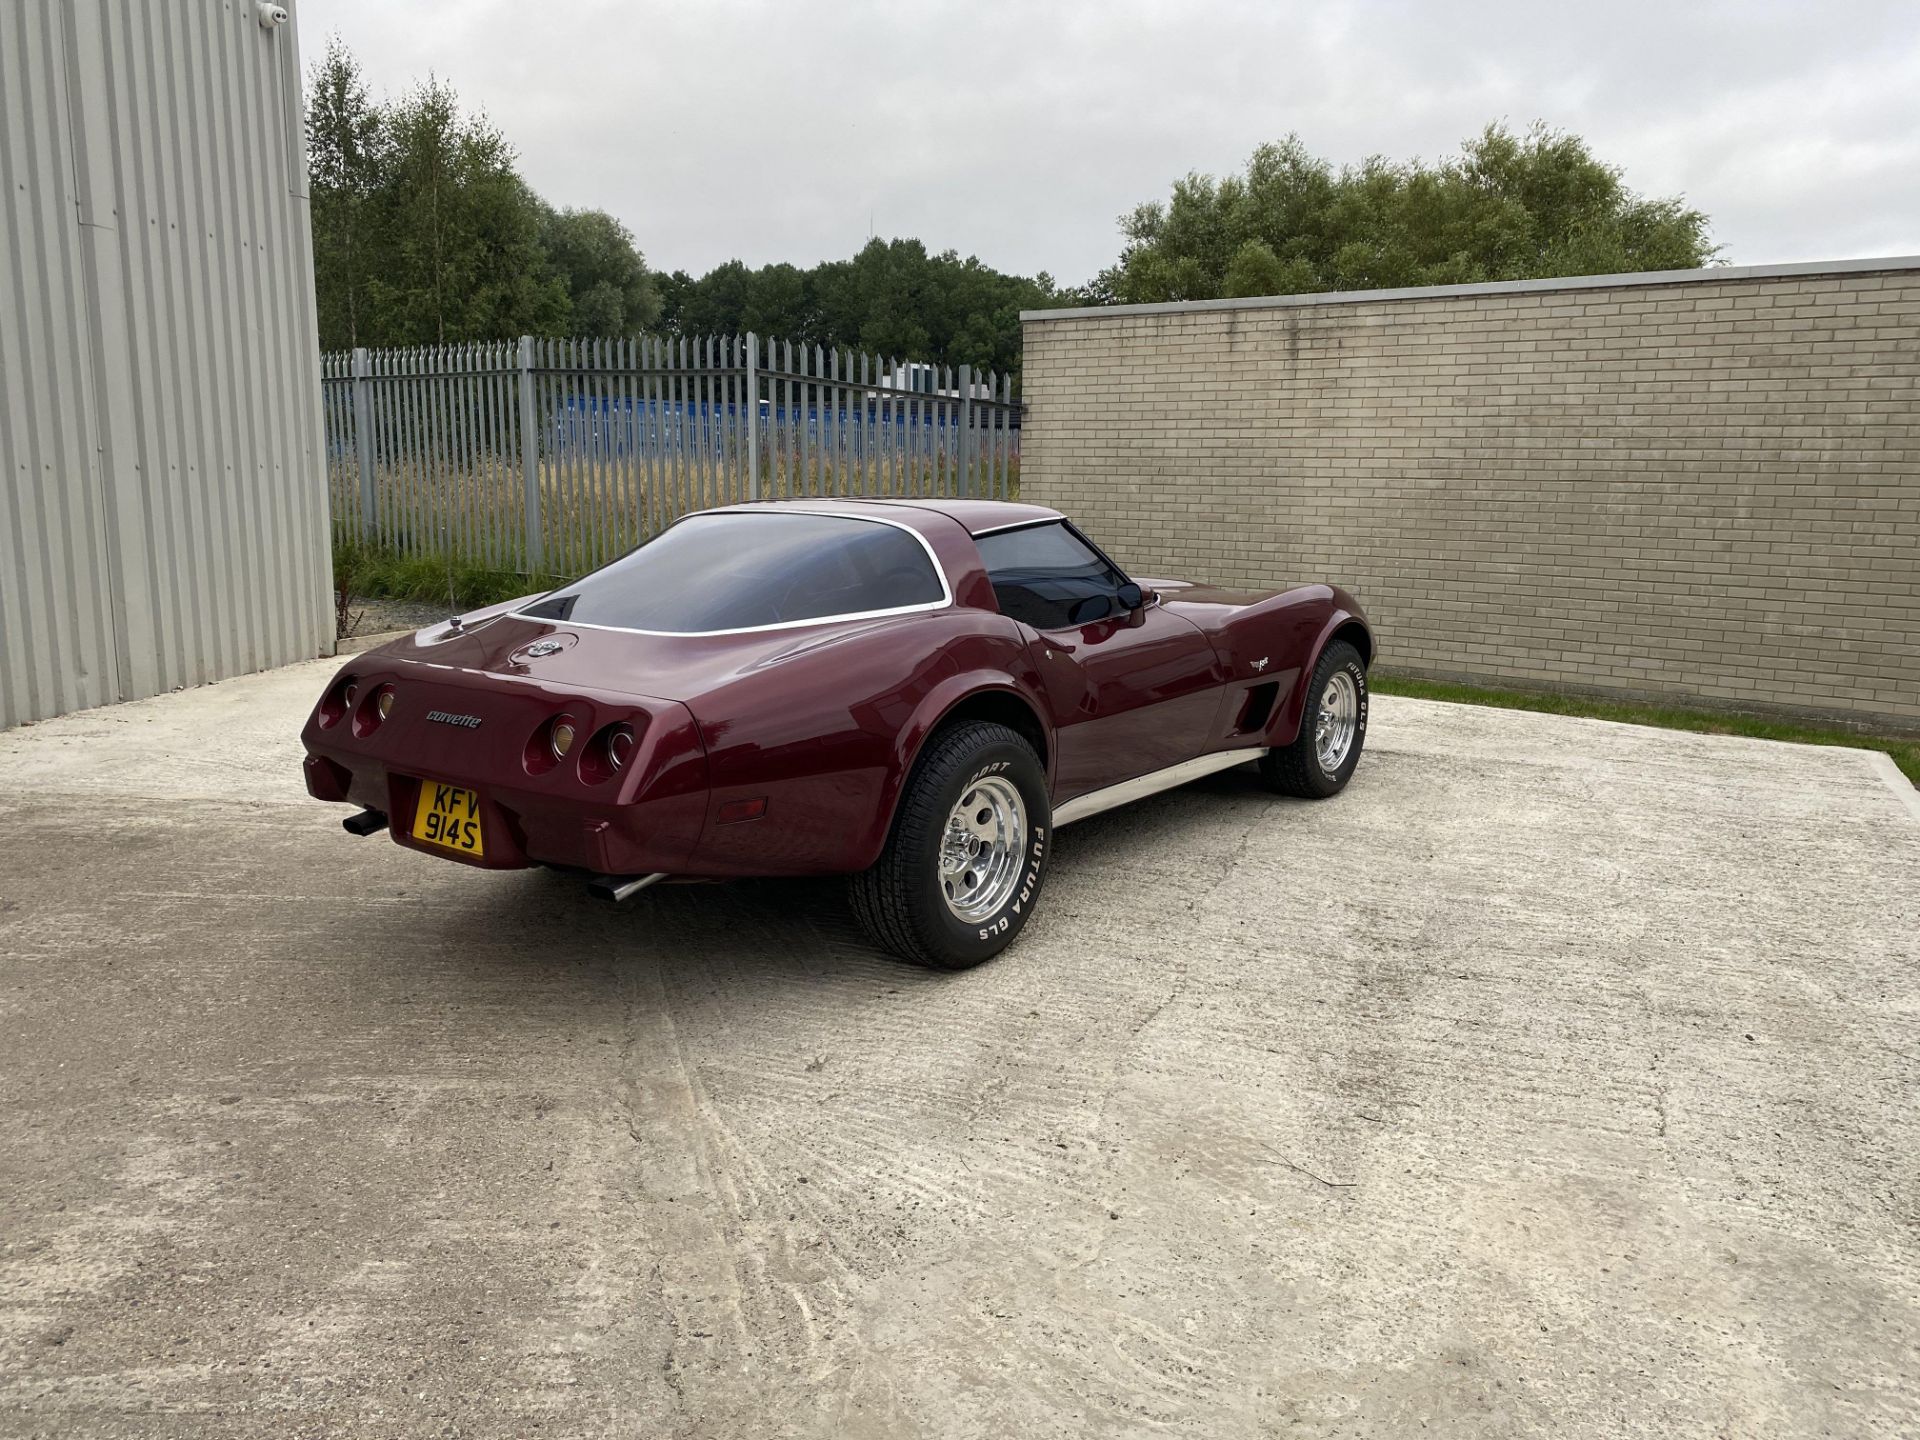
[{"x": 448, "y": 816}]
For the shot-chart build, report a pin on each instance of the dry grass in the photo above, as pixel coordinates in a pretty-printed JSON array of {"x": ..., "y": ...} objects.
[{"x": 591, "y": 512}]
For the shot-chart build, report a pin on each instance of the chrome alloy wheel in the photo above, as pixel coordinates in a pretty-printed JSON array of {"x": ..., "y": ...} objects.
[
  {"x": 1339, "y": 717},
  {"x": 982, "y": 849}
]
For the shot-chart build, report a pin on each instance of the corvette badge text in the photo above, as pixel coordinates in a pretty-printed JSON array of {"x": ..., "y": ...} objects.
[{"x": 445, "y": 717}]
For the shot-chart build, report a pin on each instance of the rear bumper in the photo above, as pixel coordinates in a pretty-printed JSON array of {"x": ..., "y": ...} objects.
[
  {"x": 521, "y": 828},
  {"x": 649, "y": 820}
]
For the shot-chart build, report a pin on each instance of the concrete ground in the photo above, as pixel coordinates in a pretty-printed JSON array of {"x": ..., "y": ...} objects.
[{"x": 1559, "y": 1078}]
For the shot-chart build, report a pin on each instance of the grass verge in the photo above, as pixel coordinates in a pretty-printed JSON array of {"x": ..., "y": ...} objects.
[
  {"x": 1905, "y": 751},
  {"x": 370, "y": 573}
]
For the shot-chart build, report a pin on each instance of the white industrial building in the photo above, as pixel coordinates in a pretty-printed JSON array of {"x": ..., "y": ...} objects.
[{"x": 163, "y": 517}]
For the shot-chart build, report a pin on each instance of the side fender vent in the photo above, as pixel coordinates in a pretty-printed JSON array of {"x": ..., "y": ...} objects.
[{"x": 1258, "y": 708}]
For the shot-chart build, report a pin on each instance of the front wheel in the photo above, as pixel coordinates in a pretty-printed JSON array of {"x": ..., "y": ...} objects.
[
  {"x": 1333, "y": 730},
  {"x": 968, "y": 851}
]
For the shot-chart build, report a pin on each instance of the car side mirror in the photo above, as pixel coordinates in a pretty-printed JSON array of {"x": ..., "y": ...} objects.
[
  {"x": 1091, "y": 609},
  {"x": 1133, "y": 600}
]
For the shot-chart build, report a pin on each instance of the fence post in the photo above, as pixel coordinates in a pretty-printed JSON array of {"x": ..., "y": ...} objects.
[
  {"x": 530, "y": 458},
  {"x": 965, "y": 447},
  {"x": 753, "y": 416},
  {"x": 363, "y": 436}
]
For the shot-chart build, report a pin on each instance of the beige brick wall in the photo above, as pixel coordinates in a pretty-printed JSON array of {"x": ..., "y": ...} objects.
[{"x": 1707, "y": 490}]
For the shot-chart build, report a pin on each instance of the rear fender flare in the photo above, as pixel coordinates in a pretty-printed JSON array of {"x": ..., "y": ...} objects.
[
  {"x": 938, "y": 703},
  {"x": 1286, "y": 724}
]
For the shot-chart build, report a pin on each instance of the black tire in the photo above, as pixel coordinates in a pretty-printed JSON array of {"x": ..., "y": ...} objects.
[
  {"x": 901, "y": 903},
  {"x": 1296, "y": 769}
]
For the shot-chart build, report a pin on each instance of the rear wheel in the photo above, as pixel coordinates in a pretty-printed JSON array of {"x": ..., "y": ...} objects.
[
  {"x": 1333, "y": 730},
  {"x": 963, "y": 865}
]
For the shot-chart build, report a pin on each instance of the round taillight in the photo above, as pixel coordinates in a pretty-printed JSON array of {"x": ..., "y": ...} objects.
[
  {"x": 608, "y": 753},
  {"x": 337, "y": 701},
  {"x": 620, "y": 744},
  {"x": 372, "y": 710},
  {"x": 550, "y": 743}
]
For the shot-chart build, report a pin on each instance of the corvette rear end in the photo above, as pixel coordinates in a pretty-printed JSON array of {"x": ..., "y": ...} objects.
[{"x": 458, "y": 755}]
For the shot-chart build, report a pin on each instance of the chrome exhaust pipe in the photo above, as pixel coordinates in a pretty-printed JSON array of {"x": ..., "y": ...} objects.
[{"x": 616, "y": 888}]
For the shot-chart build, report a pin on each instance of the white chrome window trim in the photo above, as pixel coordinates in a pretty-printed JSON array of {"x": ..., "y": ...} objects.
[
  {"x": 940, "y": 573},
  {"x": 1016, "y": 525},
  {"x": 1152, "y": 783}
]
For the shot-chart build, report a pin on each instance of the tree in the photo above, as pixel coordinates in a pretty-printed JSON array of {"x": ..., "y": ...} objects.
[
  {"x": 610, "y": 292},
  {"x": 779, "y": 301},
  {"x": 346, "y": 151},
  {"x": 716, "y": 303},
  {"x": 675, "y": 288},
  {"x": 1508, "y": 207},
  {"x": 423, "y": 231},
  {"x": 892, "y": 297},
  {"x": 464, "y": 260}
]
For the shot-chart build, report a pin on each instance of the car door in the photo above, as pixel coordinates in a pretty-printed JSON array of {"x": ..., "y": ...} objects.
[{"x": 1131, "y": 691}]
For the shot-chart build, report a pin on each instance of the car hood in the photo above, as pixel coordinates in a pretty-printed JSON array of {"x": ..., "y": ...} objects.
[{"x": 622, "y": 662}]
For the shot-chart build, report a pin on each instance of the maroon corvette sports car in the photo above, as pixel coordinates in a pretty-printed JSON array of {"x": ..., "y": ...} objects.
[{"x": 914, "y": 693}]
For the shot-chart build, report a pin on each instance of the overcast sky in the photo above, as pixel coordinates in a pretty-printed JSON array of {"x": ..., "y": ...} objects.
[{"x": 1020, "y": 132}]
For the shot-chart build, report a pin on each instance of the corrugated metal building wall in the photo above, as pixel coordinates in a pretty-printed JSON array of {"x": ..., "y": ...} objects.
[{"x": 163, "y": 509}]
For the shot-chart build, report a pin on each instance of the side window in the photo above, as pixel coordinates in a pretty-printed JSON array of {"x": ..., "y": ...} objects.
[{"x": 1048, "y": 577}]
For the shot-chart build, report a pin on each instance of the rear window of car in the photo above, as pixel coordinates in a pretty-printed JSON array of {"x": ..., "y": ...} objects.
[{"x": 748, "y": 569}]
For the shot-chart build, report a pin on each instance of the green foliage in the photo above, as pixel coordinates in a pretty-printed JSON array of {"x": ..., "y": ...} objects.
[
  {"x": 346, "y": 154},
  {"x": 1256, "y": 270},
  {"x": 462, "y": 259},
  {"x": 1904, "y": 750},
  {"x": 424, "y": 232},
  {"x": 610, "y": 291},
  {"x": 1508, "y": 207},
  {"x": 892, "y": 298},
  {"x": 367, "y": 572}
]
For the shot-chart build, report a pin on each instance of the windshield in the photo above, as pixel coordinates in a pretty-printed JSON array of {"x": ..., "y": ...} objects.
[{"x": 741, "y": 570}]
